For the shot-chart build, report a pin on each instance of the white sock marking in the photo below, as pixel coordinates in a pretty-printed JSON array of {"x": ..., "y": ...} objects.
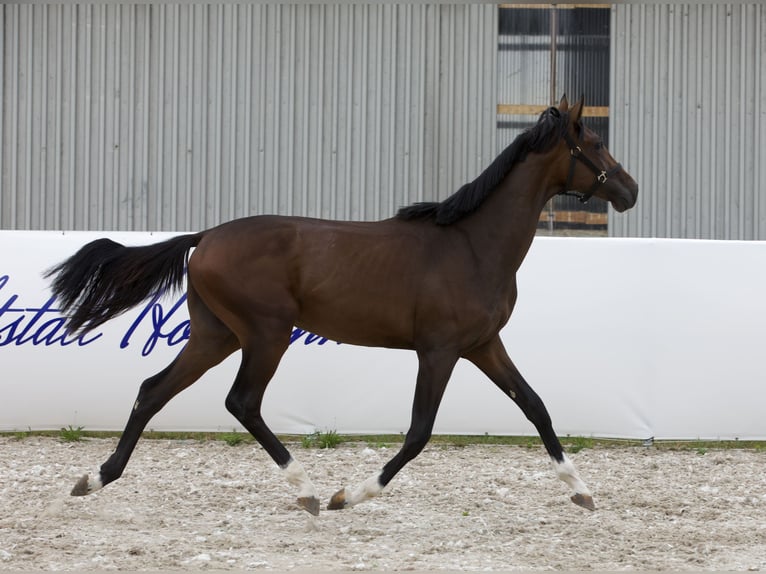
[
  {"x": 370, "y": 488},
  {"x": 297, "y": 476},
  {"x": 567, "y": 472},
  {"x": 94, "y": 482}
]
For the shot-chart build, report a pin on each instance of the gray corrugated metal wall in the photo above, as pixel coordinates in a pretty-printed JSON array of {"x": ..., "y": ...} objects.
[
  {"x": 688, "y": 118},
  {"x": 144, "y": 117}
]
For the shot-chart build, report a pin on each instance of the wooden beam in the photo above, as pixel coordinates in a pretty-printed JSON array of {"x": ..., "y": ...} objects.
[{"x": 534, "y": 110}]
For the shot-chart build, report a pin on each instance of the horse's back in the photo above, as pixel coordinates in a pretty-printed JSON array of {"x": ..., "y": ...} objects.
[{"x": 331, "y": 277}]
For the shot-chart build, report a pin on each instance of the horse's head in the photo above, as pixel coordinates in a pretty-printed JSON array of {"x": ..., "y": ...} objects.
[{"x": 585, "y": 167}]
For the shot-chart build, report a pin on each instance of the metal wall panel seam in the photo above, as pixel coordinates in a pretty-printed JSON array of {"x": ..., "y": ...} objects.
[
  {"x": 220, "y": 107},
  {"x": 361, "y": 189},
  {"x": 135, "y": 189},
  {"x": 334, "y": 103},
  {"x": 489, "y": 29},
  {"x": 622, "y": 15},
  {"x": 197, "y": 184},
  {"x": 727, "y": 127},
  {"x": 3, "y": 137},
  {"x": 490, "y": 151},
  {"x": 758, "y": 226},
  {"x": 175, "y": 124},
  {"x": 448, "y": 81},
  {"x": 195, "y": 154},
  {"x": 377, "y": 151},
  {"x": 158, "y": 130},
  {"x": 701, "y": 103},
  {"x": 14, "y": 119},
  {"x": 203, "y": 113},
  {"x": 17, "y": 111},
  {"x": 421, "y": 95},
  {"x": 436, "y": 179},
  {"x": 393, "y": 86},
  {"x": 637, "y": 117},
  {"x": 115, "y": 96},
  {"x": 653, "y": 156},
  {"x": 272, "y": 151},
  {"x": 346, "y": 98},
  {"x": 87, "y": 120},
  {"x": 172, "y": 192},
  {"x": 29, "y": 54},
  {"x": 289, "y": 166},
  {"x": 744, "y": 126},
  {"x": 100, "y": 90},
  {"x": 58, "y": 134},
  {"x": 217, "y": 60},
  {"x": 632, "y": 220},
  {"x": 305, "y": 123},
  {"x": 671, "y": 136},
  {"x": 465, "y": 81},
  {"x": 710, "y": 110},
  {"x": 111, "y": 94},
  {"x": 191, "y": 151},
  {"x": 127, "y": 113},
  {"x": 698, "y": 97},
  {"x": 407, "y": 103},
  {"x": 614, "y": 228},
  {"x": 471, "y": 135},
  {"x": 321, "y": 140},
  {"x": 42, "y": 120},
  {"x": 349, "y": 115},
  {"x": 261, "y": 117},
  {"x": 641, "y": 116},
  {"x": 247, "y": 107},
  {"x": 145, "y": 187},
  {"x": 234, "y": 125},
  {"x": 70, "y": 208},
  {"x": 663, "y": 118},
  {"x": 683, "y": 123}
]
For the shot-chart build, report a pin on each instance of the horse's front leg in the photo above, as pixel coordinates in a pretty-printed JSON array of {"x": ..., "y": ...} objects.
[
  {"x": 434, "y": 372},
  {"x": 493, "y": 360}
]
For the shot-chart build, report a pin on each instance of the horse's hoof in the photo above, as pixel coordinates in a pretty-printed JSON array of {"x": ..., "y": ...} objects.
[
  {"x": 584, "y": 500},
  {"x": 310, "y": 504},
  {"x": 81, "y": 488},
  {"x": 338, "y": 500}
]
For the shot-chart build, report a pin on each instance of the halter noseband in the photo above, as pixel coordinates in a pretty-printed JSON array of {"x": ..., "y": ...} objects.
[{"x": 578, "y": 155}]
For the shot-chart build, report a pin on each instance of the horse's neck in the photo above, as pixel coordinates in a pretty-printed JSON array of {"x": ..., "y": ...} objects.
[{"x": 504, "y": 226}]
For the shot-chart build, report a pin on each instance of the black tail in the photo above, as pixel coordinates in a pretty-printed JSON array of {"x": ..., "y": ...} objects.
[{"x": 104, "y": 278}]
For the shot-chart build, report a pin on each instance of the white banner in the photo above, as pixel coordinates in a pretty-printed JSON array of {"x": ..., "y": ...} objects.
[{"x": 631, "y": 338}]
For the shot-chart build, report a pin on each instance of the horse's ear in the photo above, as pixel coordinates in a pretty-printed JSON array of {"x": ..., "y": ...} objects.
[
  {"x": 576, "y": 112},
  {"x": 564, "y": 104}
]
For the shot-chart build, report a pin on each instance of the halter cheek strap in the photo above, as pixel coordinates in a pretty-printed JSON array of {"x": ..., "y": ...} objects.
[{"x": 602, "y": 176}]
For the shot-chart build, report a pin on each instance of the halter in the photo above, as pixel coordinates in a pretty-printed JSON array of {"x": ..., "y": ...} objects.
[{"x": 578, "y": 155}]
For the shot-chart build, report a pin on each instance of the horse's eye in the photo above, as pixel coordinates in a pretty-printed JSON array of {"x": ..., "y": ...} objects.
[{"x": 599, "y": 145}]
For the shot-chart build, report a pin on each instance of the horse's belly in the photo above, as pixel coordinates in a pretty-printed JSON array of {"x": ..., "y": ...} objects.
[{"x": 367, "y": 327}]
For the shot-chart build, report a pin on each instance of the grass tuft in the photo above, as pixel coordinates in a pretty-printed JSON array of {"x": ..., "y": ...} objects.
[
  {"x": 71, "y": 434},
  {"x": 233, "y": 438},
  {"x": 329, "y": 439}
]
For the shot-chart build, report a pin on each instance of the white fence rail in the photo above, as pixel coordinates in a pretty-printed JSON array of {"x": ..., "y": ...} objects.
[{"x": 632, "y": 338}]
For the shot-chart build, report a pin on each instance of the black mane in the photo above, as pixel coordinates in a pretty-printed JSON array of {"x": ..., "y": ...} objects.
[{"x": 539, "y": 138}]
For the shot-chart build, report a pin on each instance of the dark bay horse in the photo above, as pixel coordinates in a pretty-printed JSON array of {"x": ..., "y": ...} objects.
[{"x": 438, "y": 278}]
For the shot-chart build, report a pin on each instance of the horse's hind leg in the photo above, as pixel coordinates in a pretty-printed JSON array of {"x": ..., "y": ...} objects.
[
  {"x": 210, "y": 343},
  {"x": 493, "y": 360},
  {"x": 260, "y": 359},
  {"x": 433, "y": 374}
]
